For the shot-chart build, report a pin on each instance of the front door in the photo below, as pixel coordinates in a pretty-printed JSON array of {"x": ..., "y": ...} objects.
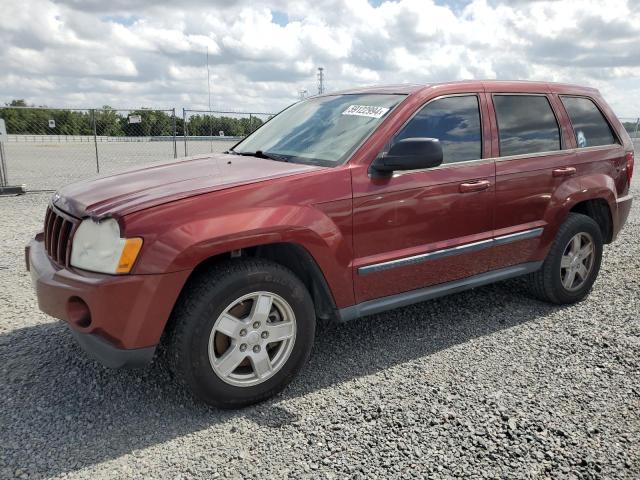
[{"x": 423, "y": 227}]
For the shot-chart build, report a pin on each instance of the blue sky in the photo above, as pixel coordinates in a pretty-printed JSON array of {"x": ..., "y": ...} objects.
[{"x": 152, "y": 53}]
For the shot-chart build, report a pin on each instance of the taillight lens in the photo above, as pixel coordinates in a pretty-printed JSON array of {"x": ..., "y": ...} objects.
[{"x": 629, "y": 166}]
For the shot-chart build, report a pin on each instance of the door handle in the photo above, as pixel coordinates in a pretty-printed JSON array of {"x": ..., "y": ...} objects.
[
  {"x": 474, "y": 186},
  {"x": 564, "y": 172}
]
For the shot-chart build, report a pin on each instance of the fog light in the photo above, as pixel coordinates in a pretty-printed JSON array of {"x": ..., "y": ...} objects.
[{"x": 78, "y": 312}]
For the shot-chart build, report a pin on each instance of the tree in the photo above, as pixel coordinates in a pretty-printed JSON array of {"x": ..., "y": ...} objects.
[{"x": 108, "y": 122}]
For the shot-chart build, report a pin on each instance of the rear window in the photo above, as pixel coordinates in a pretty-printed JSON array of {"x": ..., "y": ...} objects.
[
  {"x": 589, "y": 125},
  {"x": 526, "y": 124}
]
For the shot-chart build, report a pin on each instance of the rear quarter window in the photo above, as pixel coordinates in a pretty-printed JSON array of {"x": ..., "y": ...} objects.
[
  {"x": 589, "y": 125},
  {"x": 526, "y": 124}
]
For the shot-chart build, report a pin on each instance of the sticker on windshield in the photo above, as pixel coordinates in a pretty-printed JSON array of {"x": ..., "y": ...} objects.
[{"x": 365, "y": 111}]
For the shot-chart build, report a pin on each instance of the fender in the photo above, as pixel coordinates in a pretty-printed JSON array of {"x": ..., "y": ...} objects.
[
  {"x": 181, "y": 235},
  {"x": 568, "y": 195},
  {"x": 574, "y": 191},
  {"x": 602, "y": 186}
]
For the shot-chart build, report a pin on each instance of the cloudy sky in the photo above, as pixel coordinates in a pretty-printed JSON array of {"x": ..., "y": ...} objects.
[{"x": 132, "y": 53}]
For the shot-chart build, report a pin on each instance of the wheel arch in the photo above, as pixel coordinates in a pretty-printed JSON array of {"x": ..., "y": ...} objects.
[
  {"x": 291, "y": 255},
  {"x": 591, "y": 195},
  {"x": 598, "y": 209}
]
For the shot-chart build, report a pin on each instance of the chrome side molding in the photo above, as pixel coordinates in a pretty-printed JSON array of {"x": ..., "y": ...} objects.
[{"x": 447, "y": 252}]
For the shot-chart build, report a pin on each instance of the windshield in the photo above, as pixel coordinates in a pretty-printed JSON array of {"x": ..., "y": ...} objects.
[{"x": 319, "y": 131}]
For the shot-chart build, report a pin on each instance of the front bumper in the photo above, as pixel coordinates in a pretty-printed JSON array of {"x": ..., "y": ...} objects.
[
  {"x": 126, "y": 313},
  {"x": 111, "y": 356}
]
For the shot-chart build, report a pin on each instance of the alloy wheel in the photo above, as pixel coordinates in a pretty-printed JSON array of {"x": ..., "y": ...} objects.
[
  {"x": 252, "y": 339},
  {"x": 577, "y": 261}
]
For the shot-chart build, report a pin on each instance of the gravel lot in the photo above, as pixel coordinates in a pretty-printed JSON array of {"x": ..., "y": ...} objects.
[{"x": 484, "y": 384}]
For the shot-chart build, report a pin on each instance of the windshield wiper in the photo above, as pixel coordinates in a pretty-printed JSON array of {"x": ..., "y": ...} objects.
[{"x": 261, "y": 154}]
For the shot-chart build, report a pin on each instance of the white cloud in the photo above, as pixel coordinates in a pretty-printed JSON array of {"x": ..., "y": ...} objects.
[{"x": 153, "y": 53}]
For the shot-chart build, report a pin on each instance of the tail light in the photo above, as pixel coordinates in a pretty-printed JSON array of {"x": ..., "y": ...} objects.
[{"x": 629, "y": 158}]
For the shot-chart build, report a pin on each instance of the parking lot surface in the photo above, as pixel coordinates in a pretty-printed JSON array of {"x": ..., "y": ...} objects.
[{"x": 483, "y": 384}]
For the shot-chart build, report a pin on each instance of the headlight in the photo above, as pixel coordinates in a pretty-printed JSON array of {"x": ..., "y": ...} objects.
[{"x": 97, "y": 247}]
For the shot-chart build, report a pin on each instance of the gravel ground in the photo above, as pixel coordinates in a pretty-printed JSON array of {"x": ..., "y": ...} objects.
[{"x": 483, "y": 384}]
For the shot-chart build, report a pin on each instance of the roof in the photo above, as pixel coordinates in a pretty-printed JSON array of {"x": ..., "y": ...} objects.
[
  {"x": 408, "y": 88},
  {"x": 402, "y": 88}
]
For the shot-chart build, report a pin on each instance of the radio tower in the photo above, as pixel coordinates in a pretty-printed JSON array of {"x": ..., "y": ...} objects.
[{"x": 320, "y": 80}]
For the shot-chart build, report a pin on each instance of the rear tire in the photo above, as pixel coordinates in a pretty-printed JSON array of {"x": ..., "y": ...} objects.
[
  {"x": 221, "y": 342},
  {"x": 572, "y": 264}
]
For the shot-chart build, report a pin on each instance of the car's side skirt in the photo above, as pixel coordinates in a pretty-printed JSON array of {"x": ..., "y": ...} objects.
[{"x": 378, "y": 305}]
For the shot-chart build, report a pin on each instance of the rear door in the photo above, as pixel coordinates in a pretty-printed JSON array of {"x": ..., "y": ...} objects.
[
  {"x": 423, "y": 227},
  {"x": 533, "y": 161}
]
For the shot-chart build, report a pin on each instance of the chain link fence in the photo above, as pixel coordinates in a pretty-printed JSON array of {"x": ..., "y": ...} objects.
[
  {"x": 45, "y": 148},
  {"x": 48, "y": 147},
  {"x": 130, "y": 138},
  {"x": 210, "y": 131},
  {"x": 632, "y": 125}
]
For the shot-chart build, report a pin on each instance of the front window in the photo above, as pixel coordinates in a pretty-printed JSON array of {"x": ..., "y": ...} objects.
[
  {"x": 455, "y": 121},
  {"x": 320, "y": 131}
]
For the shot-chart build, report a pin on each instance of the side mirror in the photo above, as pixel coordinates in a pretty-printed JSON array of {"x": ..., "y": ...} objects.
[{"x": 409, "y": 154}]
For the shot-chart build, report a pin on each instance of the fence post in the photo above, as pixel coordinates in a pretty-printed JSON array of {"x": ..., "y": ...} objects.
[
  {"x": 184, "y": 130},
  {"x": 5, "y": 188},
  {"x": 250, "y": 123},
  {"x": 637, "y": 125},
  {"x": 95, "y": 139},
  {"x": 210, "y": 130},
  {"x": 3, "y": 166},
  {"x": 175, "y": 146}
]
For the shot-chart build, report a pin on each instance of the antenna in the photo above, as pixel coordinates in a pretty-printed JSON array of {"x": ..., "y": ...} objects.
[
  {"x": 208, "y": 79},
  {"x": 209, "y": 113},
  {"x": 320, "y": 80}
]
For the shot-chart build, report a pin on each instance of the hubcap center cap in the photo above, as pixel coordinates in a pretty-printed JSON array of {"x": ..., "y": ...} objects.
[{"x": 253, "y": 338}]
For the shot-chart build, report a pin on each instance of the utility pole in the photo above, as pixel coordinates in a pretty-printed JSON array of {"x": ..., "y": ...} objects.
[{"x": 320, "y": 80}]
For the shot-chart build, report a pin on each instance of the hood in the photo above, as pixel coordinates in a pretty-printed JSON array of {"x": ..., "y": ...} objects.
[{"x": 145, "y": 187}]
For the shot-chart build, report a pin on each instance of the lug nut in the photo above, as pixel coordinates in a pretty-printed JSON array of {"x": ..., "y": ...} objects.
[
  {"x": 265, "y": 334},
  {"x": 256, "y": 324},
  {"x": 243, "y": 332},
  {"x": 243, "y": 347},
  {"x": 256, "y": 349}
]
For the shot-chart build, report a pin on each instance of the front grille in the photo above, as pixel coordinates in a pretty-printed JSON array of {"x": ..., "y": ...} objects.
[{"x": 58, "y": 229}]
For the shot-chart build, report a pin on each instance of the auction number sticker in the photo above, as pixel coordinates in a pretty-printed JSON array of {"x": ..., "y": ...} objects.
[{"x": 365, "y": 111}]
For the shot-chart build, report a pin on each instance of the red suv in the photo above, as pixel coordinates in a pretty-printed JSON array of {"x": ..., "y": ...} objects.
[{"x": 341, "y": 206}]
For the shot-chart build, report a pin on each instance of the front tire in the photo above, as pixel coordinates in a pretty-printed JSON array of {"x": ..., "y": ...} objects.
[
  {"x": 240, "y": 332},
  {"x": 573, "y": 262}
]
